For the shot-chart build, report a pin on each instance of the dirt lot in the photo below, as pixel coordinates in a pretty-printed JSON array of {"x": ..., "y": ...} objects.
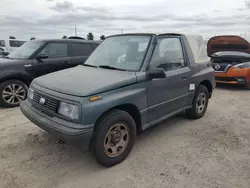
[{"x": 211, "y": 152}]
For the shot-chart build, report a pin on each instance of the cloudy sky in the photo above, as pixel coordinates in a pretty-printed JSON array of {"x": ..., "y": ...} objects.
[{"x": 55, "y": 18}]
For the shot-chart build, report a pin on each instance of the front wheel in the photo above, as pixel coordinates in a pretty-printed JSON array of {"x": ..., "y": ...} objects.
[
  {"x": 114, "y": 138},
  {"x": 12, "y": 92},
  {"x": 247, "y": 86},
  {"x": 200, "y": 103}
]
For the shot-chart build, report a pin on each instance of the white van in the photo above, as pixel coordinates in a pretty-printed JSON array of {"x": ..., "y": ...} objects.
[{"x": 9, "y": 45}]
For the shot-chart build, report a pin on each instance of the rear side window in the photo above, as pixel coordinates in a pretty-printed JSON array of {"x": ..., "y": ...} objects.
[
  {"x": 56, "y": 50},
  {"x": 16, "y": 43},
  {"x": 2, "y": 43},
  {"x": 80, "y": 49},
  {"x": 93, "y": 46}
]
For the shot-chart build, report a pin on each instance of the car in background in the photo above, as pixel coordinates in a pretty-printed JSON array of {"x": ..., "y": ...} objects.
[
  {"x": 36, "y": 58},
  {"x": 9, "y": 45},
  {"x": 230, "y": 56}
]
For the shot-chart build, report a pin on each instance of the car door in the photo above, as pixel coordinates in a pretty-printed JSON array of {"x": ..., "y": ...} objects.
[
  {"x": 170, "y": 94},
  {"x": 57, "y": 58},
  {"x": 79, "y": 52}
]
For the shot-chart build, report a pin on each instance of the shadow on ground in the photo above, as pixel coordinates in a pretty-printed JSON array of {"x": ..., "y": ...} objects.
[{"x": 230, "y": 87}]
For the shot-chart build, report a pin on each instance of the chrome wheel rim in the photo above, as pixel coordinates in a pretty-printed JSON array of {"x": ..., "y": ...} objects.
[
  {"x": 13, "y": 94},
  {"x": 201, "y": 102},
  {"x": 116, "y": 140}
]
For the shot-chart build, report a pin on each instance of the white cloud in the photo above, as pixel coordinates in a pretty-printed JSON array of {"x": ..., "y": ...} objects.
[{"x": 55, "y": 18}]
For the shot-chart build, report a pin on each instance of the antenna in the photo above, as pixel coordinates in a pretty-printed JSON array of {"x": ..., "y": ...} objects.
[{"x": 75, "y": 31}]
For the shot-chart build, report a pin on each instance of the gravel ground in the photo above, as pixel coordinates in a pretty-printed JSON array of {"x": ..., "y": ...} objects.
[{"x": 211, "y": 152}]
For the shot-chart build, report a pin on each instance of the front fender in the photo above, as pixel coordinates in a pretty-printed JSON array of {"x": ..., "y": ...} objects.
[
  {"x": 12, "y": 74},
  {"x": 134, "y": 94}
]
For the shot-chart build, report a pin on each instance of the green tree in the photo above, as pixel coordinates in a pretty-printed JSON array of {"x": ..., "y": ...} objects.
[
  {"x": 90, "y": 36},
  {"x": 12, "y": 37},
  {"x": 64, "y": 37},
  {"x": 32, "y": 38},
  {"x": 102, "y": 37}
]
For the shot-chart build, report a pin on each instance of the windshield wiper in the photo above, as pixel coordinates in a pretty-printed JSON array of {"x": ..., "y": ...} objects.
[
  {"x": 214, "y": 55},
  {"x": 110, "y": 67},
  {"x": 6, "y": 57},
  {"x": 88, "y": 65}
]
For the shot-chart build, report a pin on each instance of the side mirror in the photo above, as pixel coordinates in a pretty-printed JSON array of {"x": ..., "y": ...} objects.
[
  {"x": 155, "y": 73},
  {"x": 5, "y": 53},
  {"x": 39, "y": 57}
]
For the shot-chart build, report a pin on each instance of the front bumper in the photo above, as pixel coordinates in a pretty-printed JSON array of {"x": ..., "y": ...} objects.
[
  {"x": 233, "y": 76},
  {"x": 81, "y": 137}
]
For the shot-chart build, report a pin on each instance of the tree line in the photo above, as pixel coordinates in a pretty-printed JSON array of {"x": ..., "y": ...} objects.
[{"x": 90, "y": 36}]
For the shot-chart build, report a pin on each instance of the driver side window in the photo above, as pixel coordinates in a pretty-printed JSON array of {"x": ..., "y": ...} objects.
[
  {"x": 168, "y": 54},
  {"x": 56, "y": 50}
]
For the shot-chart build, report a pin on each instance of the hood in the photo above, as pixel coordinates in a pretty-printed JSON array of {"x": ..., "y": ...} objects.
[
  {"x": 227, "y": 43},
  {"x": 85, "y": 81}
]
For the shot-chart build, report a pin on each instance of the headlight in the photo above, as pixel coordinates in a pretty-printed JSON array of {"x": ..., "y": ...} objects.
[
  {"x": 243, "y": 65},
  {"x": 68, "y": 110},
  {"x": 31, "y": 93}
]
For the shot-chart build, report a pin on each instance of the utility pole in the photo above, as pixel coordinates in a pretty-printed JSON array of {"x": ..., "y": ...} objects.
[
  {"x": 75, "y": 31},
  {"x": 121, "y": 30}
]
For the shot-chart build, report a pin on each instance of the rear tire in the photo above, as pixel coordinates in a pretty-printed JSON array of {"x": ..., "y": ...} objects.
[
  {"x": 200, "y": 103},
  {"x": 114, "y": 138},
  {"x": 12, "y": 92},
  {"x": 247, "y": 86}
]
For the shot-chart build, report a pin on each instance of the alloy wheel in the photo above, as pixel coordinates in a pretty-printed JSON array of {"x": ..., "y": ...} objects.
[{"x": 13, "y": 94}]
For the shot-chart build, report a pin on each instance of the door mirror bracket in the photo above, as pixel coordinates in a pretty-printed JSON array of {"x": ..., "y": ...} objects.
[
  {"x": 155, "y": 73},
  {"x": 39, "y": 57}
]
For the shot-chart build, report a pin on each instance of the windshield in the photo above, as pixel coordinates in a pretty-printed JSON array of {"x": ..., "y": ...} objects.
[
  {"x": 231, "y": 53},
  {"x": 26, "y": 50},
  {"x": 122, "y": 52}
]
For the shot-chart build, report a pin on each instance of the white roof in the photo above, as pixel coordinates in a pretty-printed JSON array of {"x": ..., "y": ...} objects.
[{"x": 198, "y": 47}]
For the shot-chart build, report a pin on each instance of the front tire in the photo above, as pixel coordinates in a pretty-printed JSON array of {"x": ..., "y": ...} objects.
[
  {"x": 200, "y": 103},
  {"x": 12, "y": 92},
  {"x": 114, "y": 138},
  {"x": 247, "y": 86}
]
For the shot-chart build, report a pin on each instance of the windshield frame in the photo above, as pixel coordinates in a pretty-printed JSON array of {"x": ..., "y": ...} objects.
[
  {"x": 33, "y": 55},
  {"x": 151, "y": 37}
]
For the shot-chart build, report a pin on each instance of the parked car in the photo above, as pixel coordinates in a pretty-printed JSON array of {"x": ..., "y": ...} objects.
[
  {"x": 104, "y": 103},
  {"x": 230, "y": 57},
  {"x": 36, "y": 58},
  {"x": 9, "y": 45}
]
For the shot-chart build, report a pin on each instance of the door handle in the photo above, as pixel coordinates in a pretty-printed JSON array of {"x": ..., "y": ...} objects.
[{"x": 184, "y": 77}]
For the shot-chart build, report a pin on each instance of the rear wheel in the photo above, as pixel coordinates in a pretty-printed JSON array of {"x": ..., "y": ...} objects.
[
  {"x": 247, "y": 86},
  {"x": 200, "y": 103},
  {"x": 114, "y": 138},
  {"x": 12, "y": 93}
]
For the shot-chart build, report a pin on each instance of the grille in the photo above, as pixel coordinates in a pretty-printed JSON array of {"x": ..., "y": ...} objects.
[
  {"x": 50, "y": 103},
  {"x": 225, "y": 79},
  {"x": 222, "y": 67}
]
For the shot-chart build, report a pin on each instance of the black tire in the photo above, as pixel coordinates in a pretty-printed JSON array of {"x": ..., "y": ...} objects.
[
  {"x": 194, "y": 113},
  {"x": 103, "y": 128},
  {"x": 3, "y": 101},
  {"x": 247, "y": 86}
]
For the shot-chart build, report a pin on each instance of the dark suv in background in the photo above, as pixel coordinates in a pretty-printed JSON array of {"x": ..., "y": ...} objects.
[{"x": 36, "y": 58}]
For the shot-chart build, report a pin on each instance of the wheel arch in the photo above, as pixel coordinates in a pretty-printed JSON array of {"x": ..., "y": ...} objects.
[
  {"x": 130, "y": 108},
  {"x": 24, "y": 78},
  {"x": 208, "y": 85}
]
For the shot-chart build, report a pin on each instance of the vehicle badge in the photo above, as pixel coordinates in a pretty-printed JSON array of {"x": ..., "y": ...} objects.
[
  {"x": 42, "y": 101},
  {"x": 217, "y": 67}
]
